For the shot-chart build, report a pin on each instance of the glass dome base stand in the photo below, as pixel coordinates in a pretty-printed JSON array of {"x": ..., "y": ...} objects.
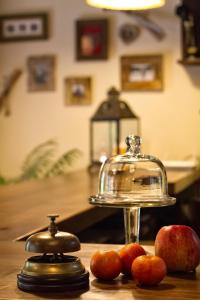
[
  {"x": 132, "y": 224},
  {"x": 131, "y": 181}
]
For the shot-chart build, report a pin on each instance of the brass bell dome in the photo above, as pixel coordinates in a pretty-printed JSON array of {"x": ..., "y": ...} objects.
[{"x": 52, "y": 241}]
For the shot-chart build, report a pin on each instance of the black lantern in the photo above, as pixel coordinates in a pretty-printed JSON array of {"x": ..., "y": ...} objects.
[{"x": 109, "y": 126}]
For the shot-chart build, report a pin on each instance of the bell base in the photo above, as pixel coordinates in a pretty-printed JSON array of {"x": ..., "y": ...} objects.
[{"x": 37, "y": 284}]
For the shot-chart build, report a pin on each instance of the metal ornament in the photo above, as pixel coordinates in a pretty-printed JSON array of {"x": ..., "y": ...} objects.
[{"x": 129, "y": 33}]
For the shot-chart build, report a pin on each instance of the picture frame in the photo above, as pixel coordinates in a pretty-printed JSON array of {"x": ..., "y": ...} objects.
[
  {"x": 24, "y": 27},
  {"x": 78, "y": 90},
  {"x": 142, "y": 73},
  {"x": 92, "y": 39},
  {"x": 41, "y": 73}
]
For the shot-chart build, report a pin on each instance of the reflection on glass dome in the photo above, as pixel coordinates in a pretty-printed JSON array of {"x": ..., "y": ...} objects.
[{"x": 132, "y": 179}]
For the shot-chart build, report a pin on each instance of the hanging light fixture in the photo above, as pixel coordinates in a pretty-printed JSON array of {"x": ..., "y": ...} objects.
[{"x": 126, "y": 4}]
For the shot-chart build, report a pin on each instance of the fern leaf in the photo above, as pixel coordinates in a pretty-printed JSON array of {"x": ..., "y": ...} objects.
[
  {"x": 39, "y": 160},
  {"x": 39, "y": 163},
  {"x": 3, "y": 180},
  {"x": 60, "y": 166}
]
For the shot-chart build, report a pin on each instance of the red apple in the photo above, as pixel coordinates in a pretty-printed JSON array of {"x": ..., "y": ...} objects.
[{"x": 179, "y": 246}]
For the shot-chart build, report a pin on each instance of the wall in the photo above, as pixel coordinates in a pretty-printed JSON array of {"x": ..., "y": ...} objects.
[{"x": 170, "y": 119}]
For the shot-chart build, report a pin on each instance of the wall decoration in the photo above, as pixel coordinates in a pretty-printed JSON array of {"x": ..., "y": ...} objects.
[
  {"x": 144, "y": 21},
  {"x": 23, "y": 27},
  {"x": 129, "y": 33},
  {"x": 6, "y": 90},
  {"x": 78, "y": 91},
  {"x": 141, "y": 73},
  {"x": 91, "y": 39},
  {"x": 41, "y": 73}
]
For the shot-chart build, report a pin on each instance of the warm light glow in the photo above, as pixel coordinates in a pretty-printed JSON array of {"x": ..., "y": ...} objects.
[
  {"x": 102, "y": 158},
  {"x": 126, "y": 4}
]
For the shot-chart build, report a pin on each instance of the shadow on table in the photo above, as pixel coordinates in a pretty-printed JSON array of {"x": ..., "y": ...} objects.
[
  {"x": 61, "y": 295},
  {"x": 125, "y": 282},
  {"x": 184, "y": 275}
]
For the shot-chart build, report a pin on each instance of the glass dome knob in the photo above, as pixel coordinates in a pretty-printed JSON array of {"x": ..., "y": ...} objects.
[{"x": 133, "y": 144}]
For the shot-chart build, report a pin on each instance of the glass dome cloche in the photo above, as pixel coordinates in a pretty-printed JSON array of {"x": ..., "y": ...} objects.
[{"x": 131, "y": 181}]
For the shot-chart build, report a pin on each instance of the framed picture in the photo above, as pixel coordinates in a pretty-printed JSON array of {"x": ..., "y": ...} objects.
[
  {"x": 78, "y": 91},
  {"x": 91, "y": 39},
  {"x": 23, "y": 27},
  {"x": 141, "y": 73},
  {"x": 41, "y": 73}
]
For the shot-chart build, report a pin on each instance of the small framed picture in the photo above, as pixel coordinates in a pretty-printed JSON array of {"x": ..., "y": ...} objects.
[
  {"x": 23, "y": 27},
  {"x": 141, "y": 73},
  {"x": 41, "y": 73},
  {"x": 91, "y": 39},
  {"x": 78, "y": 91}
]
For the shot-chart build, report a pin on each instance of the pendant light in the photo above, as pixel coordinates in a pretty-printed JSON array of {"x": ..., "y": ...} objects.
[{"x": 126, "y": 4}]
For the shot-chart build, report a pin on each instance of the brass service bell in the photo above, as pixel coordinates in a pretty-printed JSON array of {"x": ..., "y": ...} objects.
[{"x": 52, "y": 270}]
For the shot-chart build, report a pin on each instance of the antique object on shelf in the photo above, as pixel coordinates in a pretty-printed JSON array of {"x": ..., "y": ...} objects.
[
  {"x": 131, "y": 181},
  {"x": 108, "y": 129},
  {"x": 189, "y": 13},
  {"x": 53, "y": 270}
]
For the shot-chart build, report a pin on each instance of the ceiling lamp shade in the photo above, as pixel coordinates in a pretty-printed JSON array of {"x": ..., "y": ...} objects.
[{"x": 126, "y": 4}]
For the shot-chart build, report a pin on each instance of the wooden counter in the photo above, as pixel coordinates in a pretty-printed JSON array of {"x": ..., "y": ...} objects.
[
  {"x": 178, "y": 181},
  {"x": 12, "y": 256},
  {"x": 23, "y": 206}
]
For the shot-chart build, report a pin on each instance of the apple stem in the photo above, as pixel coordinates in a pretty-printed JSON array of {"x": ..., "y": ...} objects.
[{"x": 132, "y": 224}]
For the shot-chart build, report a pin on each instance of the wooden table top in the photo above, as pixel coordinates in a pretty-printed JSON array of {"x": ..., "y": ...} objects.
[
  {"x": 178, "y": 181},
  {"x": 12, "y": 257},
  {"x": 23, "y": 206}
]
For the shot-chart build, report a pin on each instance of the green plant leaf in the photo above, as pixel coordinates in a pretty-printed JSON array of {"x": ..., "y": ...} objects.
[
  {"x": 40, "y": 163},
  {"x": 3, "y": 180},
  {"x": 60, "y": 166},
  {"x": 39, "y": 160}
]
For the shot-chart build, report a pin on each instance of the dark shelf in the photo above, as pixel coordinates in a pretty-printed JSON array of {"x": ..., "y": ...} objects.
[
  {"x": 189, "y": 14},
  {"x": 190, "y": 62}
]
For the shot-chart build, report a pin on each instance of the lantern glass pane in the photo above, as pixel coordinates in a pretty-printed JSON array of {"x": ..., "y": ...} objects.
[{"x": 104, "y": 140}]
